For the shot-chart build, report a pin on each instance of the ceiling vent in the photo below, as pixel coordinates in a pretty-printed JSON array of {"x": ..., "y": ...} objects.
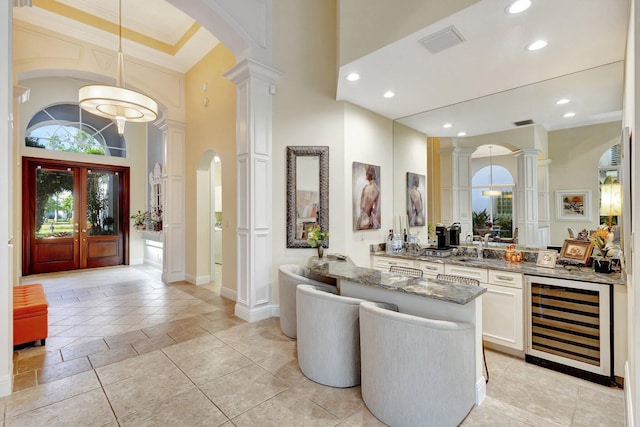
[
  {"x": 523, "y": 122},
  {"x": 443, "y": 39}
]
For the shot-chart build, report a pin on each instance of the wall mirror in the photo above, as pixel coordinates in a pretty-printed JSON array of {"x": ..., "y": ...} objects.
[
  {"x": 489, "y": 120},
  {"x": 307, "y": 192}
]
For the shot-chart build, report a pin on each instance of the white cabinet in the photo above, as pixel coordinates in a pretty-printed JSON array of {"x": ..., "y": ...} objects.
[
  {"x": 502, "y": 304},
  {"x": 430, "y": 269},
  {"x": 383, "y": 263},
  {"x": 503, "y": 311},
  {"x": 472, "y": 272}
]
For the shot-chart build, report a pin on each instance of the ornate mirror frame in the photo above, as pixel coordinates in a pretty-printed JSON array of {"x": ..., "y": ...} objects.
[{"x": 323, "y": 197}]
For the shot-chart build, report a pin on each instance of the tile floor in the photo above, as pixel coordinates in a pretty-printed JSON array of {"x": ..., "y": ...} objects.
[{"x": 124, "y": 349}]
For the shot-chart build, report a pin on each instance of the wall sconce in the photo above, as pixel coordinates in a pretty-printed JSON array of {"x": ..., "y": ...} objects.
[{"x": 610, "y": 200}]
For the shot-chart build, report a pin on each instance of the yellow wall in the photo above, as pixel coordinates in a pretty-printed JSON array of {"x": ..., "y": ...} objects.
[{"x": 211, "y": 127}]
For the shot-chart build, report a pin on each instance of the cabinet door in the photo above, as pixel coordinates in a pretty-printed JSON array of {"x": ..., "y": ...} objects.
[{"x": 502, "y": 316}]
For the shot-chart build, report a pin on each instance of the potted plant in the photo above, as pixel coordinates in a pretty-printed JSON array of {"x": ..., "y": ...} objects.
[
  {"x": 316, "y": 237},
  {"x": 140, "y": 220},
  {"x": 602, "y": 241}
]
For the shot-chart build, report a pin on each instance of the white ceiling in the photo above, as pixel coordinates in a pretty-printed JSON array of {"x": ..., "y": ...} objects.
[
  {"x": 490, "y": 80},
  {"x": 157, "y": 19}
]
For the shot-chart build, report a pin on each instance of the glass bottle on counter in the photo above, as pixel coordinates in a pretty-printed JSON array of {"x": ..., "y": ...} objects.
[{"x": 389, "y": 243}]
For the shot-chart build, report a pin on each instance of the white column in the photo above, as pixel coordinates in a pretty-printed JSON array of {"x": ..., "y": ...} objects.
[
  {"x": 6, "y": 253},
  {"x": 527, "y": 197},
  {"x": 173, "y": 227},
  {"x": 544, "y": 216},
  {"x": 255, "y": 85},
  {"x": 455, "y": 190}
]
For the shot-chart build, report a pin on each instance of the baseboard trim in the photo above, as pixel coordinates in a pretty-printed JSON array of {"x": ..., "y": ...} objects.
[
  {"x": 136, "y": 261},
  {"x": 256, "y": 314},
  {"x": 228, "y": 293},
  {"x": 628, "y": 402},
  {"x": 203, "y": 280},
  {"x": 152, "y": 264},
  {"x": 173, "y": 277},
  {"x": 6, "y": 384},
  {"x": 481, "y": 390}
]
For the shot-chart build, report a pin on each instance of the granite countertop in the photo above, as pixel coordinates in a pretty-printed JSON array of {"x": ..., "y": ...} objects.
[
  {"x": 424, "y": 287},
  {"x": 494, "y": 261}
]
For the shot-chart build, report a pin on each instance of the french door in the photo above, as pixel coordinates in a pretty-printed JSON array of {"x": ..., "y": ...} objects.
[{"x": 74, "y": 215}]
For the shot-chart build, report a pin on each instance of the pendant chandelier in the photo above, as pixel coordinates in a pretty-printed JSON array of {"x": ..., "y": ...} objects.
[
  {"x": 491, "y": 192},
  {"x": 115, "y": 102}
]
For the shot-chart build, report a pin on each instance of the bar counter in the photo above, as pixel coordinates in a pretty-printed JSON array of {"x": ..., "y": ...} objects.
[{"x": 424, "y": 287}]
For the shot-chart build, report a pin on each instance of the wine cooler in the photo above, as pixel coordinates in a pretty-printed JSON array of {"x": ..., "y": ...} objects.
[{"x": 570, "y": 327}]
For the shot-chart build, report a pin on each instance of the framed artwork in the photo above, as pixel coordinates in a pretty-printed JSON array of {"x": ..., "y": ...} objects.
[
  {"x": 366, "y": 196},
  {"x": 573, "y": 205},
  {"x": 415, "y": 199},
  {"x": 577, "y": 251},
  {"x": 547, "y": 259}
]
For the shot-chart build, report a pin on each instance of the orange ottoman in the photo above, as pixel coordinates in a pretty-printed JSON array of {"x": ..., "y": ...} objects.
[{"x": 30, "y": 314}]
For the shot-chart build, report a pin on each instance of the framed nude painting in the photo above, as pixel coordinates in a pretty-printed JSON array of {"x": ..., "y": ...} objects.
[
  {"x": 415, "y": 199},
  {"x": 366, "y": 196}
]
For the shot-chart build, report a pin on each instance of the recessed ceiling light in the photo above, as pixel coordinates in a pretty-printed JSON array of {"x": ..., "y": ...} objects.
[
  {"x": 537, "y": 45},
  {"x": 447, "y": 125},
  {"x": 568, "y": 114},
  {"x": 562, "y": 101},
  {"x": 389, "y": 94},
  {"x": 519, "y": 6},
  {"x": 462, "y": 134},
  {"x": 353, "y": 77}
]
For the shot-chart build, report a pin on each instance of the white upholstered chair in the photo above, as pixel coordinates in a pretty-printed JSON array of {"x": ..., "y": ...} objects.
[
  {"x": 415, "y": 371},
  {"x": 328, "y": 337},
  {"x": 290, "y": 276}
]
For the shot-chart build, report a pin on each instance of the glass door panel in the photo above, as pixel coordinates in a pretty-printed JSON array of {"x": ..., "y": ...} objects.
[
  {"x": 54, "y": 215},
  {"x": 102, "y": 203}
]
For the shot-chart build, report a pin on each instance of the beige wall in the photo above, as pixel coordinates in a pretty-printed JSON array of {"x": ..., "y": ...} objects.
[
  {"x": 364, "y": 28},
  {"x": 574, "y": 155},
  {"x": 369, "y": 140},
  {"x": 210, "y": 129},
  {"x": 409, "y": 155},
  {"x": 305, "y": 112}
]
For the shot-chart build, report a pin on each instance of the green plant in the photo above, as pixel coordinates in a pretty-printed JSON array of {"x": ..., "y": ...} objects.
[
  {"x": 140, "y": 218},
  {"x": 480, "y": 218},
  {"x": 315, "y": 236},
  {"x": 431, "y": 230}
]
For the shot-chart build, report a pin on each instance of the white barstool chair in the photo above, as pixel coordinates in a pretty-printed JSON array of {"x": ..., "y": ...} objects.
[
  {"x": 289, "y": 277},
  {"x": 415, "y": 371},
  {"x": 328, "y": 337}
]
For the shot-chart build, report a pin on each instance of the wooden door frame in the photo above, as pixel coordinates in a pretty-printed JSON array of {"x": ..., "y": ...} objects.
[{"x": 27, "y": 232}]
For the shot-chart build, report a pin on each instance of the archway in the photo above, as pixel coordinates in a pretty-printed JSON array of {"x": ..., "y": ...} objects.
[{"x": 209, "y": 221}]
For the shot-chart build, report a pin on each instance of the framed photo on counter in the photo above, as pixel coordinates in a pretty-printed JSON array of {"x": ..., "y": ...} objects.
[
  {"x": 577, "y": 251},
  {"x": 547, "y": 259}
]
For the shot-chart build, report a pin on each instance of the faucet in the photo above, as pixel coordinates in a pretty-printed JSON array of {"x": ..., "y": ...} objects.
[{"x": 482, "y": 244}]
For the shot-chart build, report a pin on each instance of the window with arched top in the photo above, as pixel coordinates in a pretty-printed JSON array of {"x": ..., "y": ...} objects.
[
  {"x": 492, "y": 213},
  {"x": 66, "y": 127}
]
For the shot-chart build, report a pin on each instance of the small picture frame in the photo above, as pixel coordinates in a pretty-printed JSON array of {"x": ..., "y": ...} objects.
[
  {"x": 547, "y": 259},
  {"x": 576, "y": 251}
]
